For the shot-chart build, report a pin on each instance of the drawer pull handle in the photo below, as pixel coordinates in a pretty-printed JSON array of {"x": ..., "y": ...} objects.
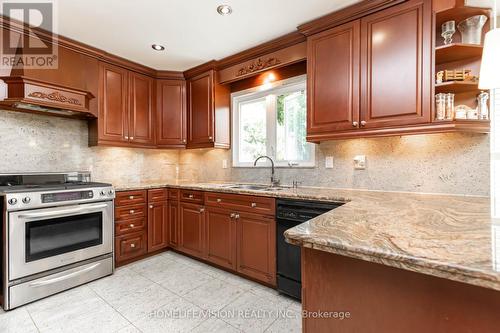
[
  {"x": 132, "y": 245},
  {"x": 190, "y": 196},
  {"x": 131, "y": 197},
  {"x": 219, "y": 200},
  {"x": 254, "y": 204},
  {"x": 132, "y": 211},
  {"x": 132, "y": 225}
]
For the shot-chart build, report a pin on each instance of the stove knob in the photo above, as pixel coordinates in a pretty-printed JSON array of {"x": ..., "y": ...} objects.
[
  {"x": 26, "y": 200},
  {"x": 111, "y": 192},
  {"x": 12, "y": 201},
  {"x": 103, "y": 193}
]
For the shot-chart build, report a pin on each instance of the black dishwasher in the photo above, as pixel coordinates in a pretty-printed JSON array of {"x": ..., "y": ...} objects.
[{"x": 290, "y": 213}]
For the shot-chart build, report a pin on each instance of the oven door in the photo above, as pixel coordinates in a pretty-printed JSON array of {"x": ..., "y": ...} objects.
[{"x": 43, "y": 239}]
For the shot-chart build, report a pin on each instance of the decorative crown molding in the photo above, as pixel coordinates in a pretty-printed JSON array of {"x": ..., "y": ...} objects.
[
  {"x": 258, "y": 65},
  {"x": 55, "y": 96}
]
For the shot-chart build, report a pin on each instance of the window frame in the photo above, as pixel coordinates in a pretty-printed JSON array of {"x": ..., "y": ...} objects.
[{"x": 254, "y": 94}]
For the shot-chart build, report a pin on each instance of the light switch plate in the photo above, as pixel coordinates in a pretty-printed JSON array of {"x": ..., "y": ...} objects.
[
  {"x": 360, "y": 162},
  {"x": 329, "y": 162},
  {"x": 224, "y": 164}
]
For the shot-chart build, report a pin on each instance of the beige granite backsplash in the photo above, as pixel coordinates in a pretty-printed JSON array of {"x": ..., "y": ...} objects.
[
  {"x": 454, "y": 163},
  {"x": 441, "y": 163},
  {"x": 45, "y": 143}
]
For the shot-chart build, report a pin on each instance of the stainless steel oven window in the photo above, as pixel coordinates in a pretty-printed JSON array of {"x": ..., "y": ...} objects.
[{"x": 47, "y": 238}]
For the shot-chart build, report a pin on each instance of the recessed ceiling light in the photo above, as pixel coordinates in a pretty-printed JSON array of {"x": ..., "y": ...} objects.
[
  {"x": 224, "y": 10},
  {"x": 158, "y": 47}
]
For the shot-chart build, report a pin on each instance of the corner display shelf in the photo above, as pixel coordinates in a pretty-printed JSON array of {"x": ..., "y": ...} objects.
[
  {"x": 459, "y": 56},
  {"x": 457, "y": 51}
]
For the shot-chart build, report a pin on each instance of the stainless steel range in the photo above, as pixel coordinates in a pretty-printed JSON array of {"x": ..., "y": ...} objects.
[{"x": 57, "y": 233}]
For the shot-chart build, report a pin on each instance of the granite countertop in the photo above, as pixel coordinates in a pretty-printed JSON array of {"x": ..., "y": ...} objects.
[{"x": 452, "y": 237}]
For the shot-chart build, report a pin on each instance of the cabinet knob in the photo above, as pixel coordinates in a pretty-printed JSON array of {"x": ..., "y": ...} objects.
[
  {"x": 150, "y": 206},
  {"x": 132, "y": 245},
  {"x": 210, "y": 138},
  {"x": 354, "y": 124},
  {"x": 131, "y": 211},
  {"x": 126, "y": 137},
  {"x": 363, "y": 123},
  {"x": 132, "y": 225},
  {"x": 232, "y": 215},
  {"x": 254, "y": 204},
  {"x": 190, "y": 196},
  {"x": 237, "y": 216},
  {"x": 131, "y": 197},
  {"x": 131, "y": 138},
  {"x": 219, "y": 200},
  {"x": 202, "y": 210},
  {"x": 184, "y": 141}
]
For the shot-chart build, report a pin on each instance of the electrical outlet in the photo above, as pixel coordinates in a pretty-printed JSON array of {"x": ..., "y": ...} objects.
[
  {"x": 360, "y": 162},
  {"x": 329, "y": 162},
  {"x": 224, "y": 164}
]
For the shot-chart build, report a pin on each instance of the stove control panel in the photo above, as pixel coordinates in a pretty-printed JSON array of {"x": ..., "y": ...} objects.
[{"x": 39, "y": 199}]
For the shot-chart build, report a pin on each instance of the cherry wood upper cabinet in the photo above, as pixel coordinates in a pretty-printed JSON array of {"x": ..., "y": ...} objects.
[
  {"x": 208, "y": 112},
  {"x": 192, "y": 229},
  {"x": 113, "y": 108},
  {"x": 171, "y": 114},
  {"x": 157, "y": 226},
  {"x": 141, "y": 109},
  {"x": 396, "y": 66},
  {"x": 220, "y": 237},
  {"x": 256, "y": 246},
  {"x": 333, "y": 82}
]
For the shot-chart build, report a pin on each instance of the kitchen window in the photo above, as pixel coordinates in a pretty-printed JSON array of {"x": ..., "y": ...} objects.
[{"x": 272, "y": 122}]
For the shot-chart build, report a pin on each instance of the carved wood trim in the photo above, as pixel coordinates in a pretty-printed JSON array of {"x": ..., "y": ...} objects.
[
  {"x": 258, "y": 65},
  {"x": 55, "y": 96}
]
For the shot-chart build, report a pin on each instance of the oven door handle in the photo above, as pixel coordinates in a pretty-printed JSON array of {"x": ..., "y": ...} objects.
[
  {"x": 64, "y": 277},
  {"x": 62, "y": 212}
]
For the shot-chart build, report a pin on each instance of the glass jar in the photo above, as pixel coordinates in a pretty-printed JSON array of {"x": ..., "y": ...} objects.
[
  {"x": 450, "y": 105},
  {"x": 440, "y": 106},
  {"x": 482, "y": 105}
]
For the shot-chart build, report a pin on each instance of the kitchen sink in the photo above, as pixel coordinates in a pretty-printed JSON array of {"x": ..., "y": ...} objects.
[{"x": 255, "y": 187}]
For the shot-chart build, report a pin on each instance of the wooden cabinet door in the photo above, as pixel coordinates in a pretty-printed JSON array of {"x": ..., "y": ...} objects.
[
  {"x": 141, "y": 109},
  {"x": 157, "y": 226},
  {"x": 201, "y": 108},
  {"x": 333, "y": 79},
  {"x": 192, "y": 229},
  {"x": 171, "y": 113},
  {"x": 113, "y": 108},
  {"x": 256, "y": 246},
  {"x": 173, "y": 224},
  {"x": 220, "y": 235},
  {"x": 396, "y": 68}
]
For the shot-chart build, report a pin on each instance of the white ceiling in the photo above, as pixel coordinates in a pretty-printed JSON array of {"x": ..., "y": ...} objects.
[{"x": 191, "y": 30}]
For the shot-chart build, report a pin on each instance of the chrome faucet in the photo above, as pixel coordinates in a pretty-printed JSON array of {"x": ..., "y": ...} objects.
[{"x": 274, "y": 181}]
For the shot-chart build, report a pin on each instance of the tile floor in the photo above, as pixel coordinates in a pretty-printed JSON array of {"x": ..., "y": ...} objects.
[{"x": 164, "y": 293}]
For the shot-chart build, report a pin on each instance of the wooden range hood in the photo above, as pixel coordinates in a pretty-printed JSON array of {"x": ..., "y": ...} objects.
[{"x": 33, "y": 95}]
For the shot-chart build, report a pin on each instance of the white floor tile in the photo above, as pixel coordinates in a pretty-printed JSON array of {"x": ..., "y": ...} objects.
[
  {"x": 124, "y": 280},
  {"x": 157, "y": 268},
  {"x": 290, "y": 323},
  {"x": 129, "y": 329},
  {"x": 214, "y": 295},
  {"x": 178, "y": 315},
  {"x": 214, "y": 325},
  {"x": 136, "y": 304},
  {"x": 183, "y": 279},
  {"x": 76, "y": 310},
  {"x": 16, "y": 321}
]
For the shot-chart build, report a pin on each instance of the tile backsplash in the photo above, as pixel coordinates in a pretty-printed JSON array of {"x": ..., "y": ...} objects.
[{"x": 443, "y": 163}]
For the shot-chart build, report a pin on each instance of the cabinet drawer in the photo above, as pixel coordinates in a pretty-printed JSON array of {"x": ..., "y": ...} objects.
[
  {"x": 130, "y": 246},
  {"x": 130, "y": 212},
  {"x": 192, "y": 196},
  {"x": 173, "y": 193},
  {"x": 241, "y": 203},
  {"x": 130, "y": 198},
  {"x": 129, "y": 226},
  {"x": 158, "y": 194}
]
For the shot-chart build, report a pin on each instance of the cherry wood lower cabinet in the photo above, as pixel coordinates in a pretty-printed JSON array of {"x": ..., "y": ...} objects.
[
  {"x": 173, "y": 225},
  {"x": 256, "y": 246},
  {"x": 192, "y": 229},
  {"x": 130, "y": 246},
  {"x": 157, "y": 226},
  {"x": 220, "y": 235}
]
